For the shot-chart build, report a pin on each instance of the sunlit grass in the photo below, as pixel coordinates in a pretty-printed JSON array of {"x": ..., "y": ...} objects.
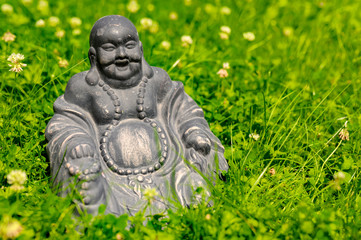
[{"x": 292, "y": 87}]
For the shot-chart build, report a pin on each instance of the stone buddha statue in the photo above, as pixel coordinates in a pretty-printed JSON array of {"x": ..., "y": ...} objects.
[{"x": 124, "y": 126}]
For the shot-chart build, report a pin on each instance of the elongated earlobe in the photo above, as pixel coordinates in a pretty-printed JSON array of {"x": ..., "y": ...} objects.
[
  {"x": 92, "y": 77},
  {"x": 147, "y": 69}
]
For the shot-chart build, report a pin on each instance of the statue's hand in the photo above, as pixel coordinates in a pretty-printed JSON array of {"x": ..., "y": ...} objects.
[{"x": 200, "y": 142}]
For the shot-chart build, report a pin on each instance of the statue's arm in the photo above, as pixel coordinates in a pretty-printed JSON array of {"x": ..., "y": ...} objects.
[
  {"x": 73, "y": 120},
  {"x": 77, "y": 92},
  {"x": 190, "y": 120},
  {"x": 82, "y": 145}
]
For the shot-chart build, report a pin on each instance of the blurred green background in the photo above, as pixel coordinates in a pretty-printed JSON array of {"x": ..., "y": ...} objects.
[{"x": 287, "y": 110}]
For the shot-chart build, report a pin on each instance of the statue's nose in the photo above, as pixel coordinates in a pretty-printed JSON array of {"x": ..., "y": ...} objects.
[{"x": 121, "y": 52}]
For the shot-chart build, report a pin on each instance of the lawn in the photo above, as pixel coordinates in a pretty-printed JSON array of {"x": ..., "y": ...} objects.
[{"x": 279, "y": 82}]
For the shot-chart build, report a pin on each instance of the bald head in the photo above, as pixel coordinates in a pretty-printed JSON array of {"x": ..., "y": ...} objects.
[
  {"x": 116, "y": 53},
  {"x": 113, "y": 23}
]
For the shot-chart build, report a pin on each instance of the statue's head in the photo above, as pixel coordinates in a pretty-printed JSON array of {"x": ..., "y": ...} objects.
[{"x": 116, "y": 52}]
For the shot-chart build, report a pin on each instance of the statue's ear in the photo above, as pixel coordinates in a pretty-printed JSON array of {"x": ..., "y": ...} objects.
[
  {"x": 92, "y": 77},
  {"x": 141, "y": 47},
  {"x": 147, "y": 69}
]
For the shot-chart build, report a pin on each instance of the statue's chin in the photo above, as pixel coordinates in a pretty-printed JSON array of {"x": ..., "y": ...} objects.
[
  {"x": 134, "y": 144},
  {"x": 122, "y": 76}
]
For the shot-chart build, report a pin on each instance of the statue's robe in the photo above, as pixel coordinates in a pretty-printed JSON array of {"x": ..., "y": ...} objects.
[{"x": 184, "y": 170}]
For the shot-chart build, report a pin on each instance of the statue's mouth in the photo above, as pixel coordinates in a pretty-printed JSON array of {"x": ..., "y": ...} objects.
[{"x": 121, "y": 62}]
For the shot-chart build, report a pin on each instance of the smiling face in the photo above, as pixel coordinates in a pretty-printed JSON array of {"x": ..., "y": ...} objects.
[{"x": 119, "y": 53}]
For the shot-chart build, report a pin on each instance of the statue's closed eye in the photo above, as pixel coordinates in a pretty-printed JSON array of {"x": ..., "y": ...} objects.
[
  {"x": 108, "y": 47},
  {"x": 130, "y": 44}
]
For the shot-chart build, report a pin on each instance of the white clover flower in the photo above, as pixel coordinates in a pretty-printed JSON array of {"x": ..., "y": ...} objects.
[
  {"x": 14, "y": 229},
  {"x": 15, "y": 57},
  {"x": 249, "y": 36},
  {"x": 226, "y": 29},
  {"x": 63, "y": 63},
  {"x": 226, "y": 10},
  {"x": 7, "y": 8},
  {"x": 54, "y": 21},
  {"x": 16, "y": 66},
  {"x": 173, "y": 16},
  {"x": 133, "y": 6},
  {"x": 223, "y": 36},
  {"x": 76, "y": 32},
  {"x": 272, "y": 171},
  {"x": 165, "y": 45},
  {"x": 287, "y": 31},
  {"x": 254, "y": 136},
  {"x": 339, "y": 176},
  {"x": 186, "y": 40},
  {"x": 119, "y": 236},
  {"x": 17, "y": 188},
  {"x": 10, "y": 228},
  {"x": 8, "y": 37},
  {"x": 146, "y": 23},
  {"x": 40, "y": 23},
  {"x": 222, "y": 73},
  {"x": 344, "y": 134},
  {"x": 226, "y": 65},
  {"x": 150, "y": 194},
  {"x": 60, "y": 33},
  {"x": 16, "y": 177},
  {"x": 43, "y": 6},
  {"x": 75, "y": 22}
]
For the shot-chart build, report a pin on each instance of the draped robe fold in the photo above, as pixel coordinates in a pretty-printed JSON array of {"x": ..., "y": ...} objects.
[{"x": 176, "y": 181}]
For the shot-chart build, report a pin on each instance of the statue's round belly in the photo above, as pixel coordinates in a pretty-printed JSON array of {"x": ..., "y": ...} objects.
[{"x": 134, "y": 144}]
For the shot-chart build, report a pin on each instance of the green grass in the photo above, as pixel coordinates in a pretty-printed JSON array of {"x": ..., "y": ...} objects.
[{"x": 296, "y": 85}]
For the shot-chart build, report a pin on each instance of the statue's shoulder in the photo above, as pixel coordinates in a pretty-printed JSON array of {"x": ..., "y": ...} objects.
[
  {"x": 77, "y": 80},
  {"x": 160, "y": 75},
  {"x": 77, "y": 90},
  {"x": 163, "y": 83}
]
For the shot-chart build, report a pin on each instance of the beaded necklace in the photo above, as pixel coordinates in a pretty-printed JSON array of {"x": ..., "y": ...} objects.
[{"x": 142, "y": 115}]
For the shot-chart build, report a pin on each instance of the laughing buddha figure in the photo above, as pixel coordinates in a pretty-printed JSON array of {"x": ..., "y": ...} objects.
[{"x": 124, "y": 126}]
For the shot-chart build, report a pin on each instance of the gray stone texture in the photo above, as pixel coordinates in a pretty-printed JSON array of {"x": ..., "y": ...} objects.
[{"x": 124, "y": 126}]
